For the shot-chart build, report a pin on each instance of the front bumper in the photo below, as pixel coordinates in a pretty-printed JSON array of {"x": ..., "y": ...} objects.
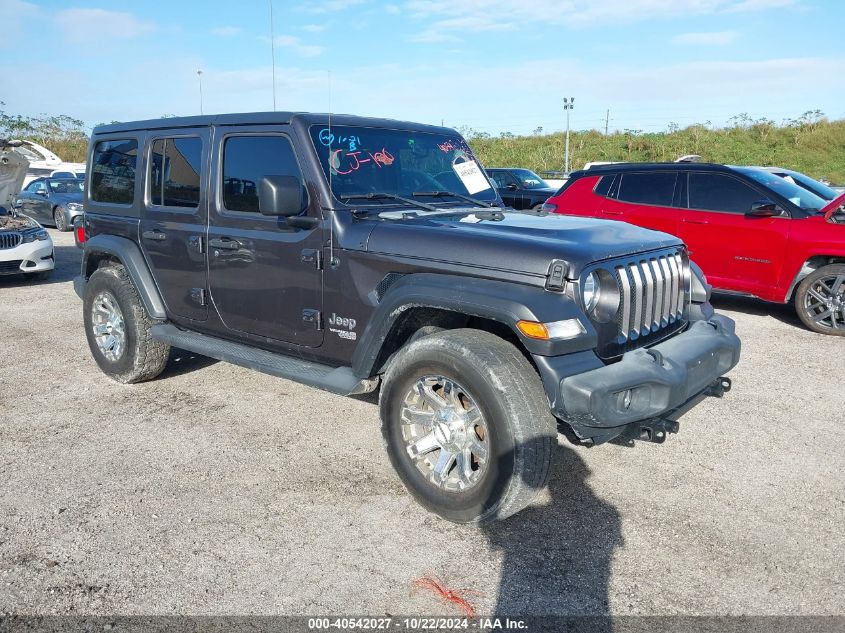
[
  {"x": 31, "y": 257},
  {"x": 660, "y": 382}
]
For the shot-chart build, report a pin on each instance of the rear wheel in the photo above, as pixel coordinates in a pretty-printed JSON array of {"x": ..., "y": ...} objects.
[
  {"x": 59, "y": 219},
  {"x": 820, "y": 300},
  {"x": 467, "y": 425},
  {"x": 118, "y": 329}
]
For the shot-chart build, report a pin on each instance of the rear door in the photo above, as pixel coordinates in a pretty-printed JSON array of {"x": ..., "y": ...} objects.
[
  {"x": 735, "y": 251},
  {"x": 647, "y": 199},
  {"x": 264, "y": 275},
  {"x": 174, "y": 216}
]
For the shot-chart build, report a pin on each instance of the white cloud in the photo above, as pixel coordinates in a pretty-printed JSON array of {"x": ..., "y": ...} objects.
[
  {"x": 330, "y": 6},
  {"x": 296, "y": 46},
  {"x": 314, "y": 28},
  {"x": 226, "y": 31},
  {"x": 14, "y": 15},
  {"x": 715, "y": 38},
  {"x": 86, "y": 26},
  {"x": 476, "y": 15}
]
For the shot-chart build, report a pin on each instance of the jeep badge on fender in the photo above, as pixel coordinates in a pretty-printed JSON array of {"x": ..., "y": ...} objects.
[{"x": 353, "y": 254}]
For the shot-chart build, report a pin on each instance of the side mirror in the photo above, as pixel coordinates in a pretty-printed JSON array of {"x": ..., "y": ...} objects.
[
  {"x": 42, "y": 192},
  {"x": 511, "y": 187},
  {"x": 280, "y": 195},
  {"x": 765, "y": 209}
]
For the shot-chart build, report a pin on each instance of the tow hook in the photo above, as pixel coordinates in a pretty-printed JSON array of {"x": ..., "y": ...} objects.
[
  {"x": 654, "y": 430},
  {"x": 719, "y": 387}
]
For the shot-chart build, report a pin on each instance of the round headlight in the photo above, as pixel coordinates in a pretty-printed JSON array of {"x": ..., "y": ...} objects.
[{"x": 591, "y": 292}]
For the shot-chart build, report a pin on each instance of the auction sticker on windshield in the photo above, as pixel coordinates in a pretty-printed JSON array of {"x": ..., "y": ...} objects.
[{"x": 472, "y": 176}]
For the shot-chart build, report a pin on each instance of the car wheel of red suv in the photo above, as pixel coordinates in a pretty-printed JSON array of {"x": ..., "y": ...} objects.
[{"x": 820, "y": 300}]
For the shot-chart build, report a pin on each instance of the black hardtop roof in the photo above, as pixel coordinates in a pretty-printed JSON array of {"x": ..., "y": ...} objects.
[
  {"x": 623, "y": 167},
  {"x": 259, "y": 118}
]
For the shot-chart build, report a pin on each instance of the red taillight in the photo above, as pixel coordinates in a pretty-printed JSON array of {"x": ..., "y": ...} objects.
[{"x": 80, "y": 234}]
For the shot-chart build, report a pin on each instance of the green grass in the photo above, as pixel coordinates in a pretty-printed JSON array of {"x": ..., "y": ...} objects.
[{"x": 812, "y": 145}]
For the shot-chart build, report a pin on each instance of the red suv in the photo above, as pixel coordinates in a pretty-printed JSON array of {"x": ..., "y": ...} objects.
[{"x": 751, "y": 231}]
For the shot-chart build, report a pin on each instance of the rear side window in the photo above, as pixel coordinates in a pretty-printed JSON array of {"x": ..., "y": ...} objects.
[
  {"x": 246, "y": 160},
  {"x": 602, "y": 187},
  {"x": 175, "y": 165},
  {"x": 113, "y": 172},
  {"x": 657, "y": 188},
  {"x": 719, "y": 192}
]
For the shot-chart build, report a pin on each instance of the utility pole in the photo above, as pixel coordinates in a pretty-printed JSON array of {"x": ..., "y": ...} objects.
[
  {"x": 199, "y": 76},
  {"x": 273, "y": 54},
  {"x": 568, "y": 105},
  {"x": 607, "y": 122}
]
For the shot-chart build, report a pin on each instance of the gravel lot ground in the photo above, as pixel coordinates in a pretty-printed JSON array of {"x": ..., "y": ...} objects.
[{"x": 217, "y": 490}]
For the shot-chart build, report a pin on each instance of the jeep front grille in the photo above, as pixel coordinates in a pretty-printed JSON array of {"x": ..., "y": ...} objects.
[
  {"x": 9, "y": 240},
  {"x": 653, "y": 296}
]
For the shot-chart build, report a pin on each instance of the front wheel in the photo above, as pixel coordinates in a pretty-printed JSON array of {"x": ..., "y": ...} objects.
[
  {"x": 820, "y": 300},
  {"x": 118, "y": 328},
  {"x": 467, "y": 425},
  {"x": 59, "y": 219}
]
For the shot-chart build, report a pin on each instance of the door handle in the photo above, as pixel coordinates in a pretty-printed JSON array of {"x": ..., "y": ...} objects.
[
  {"x": 695, "y": 221},
  {"x": 156, "y": 235},
  {"x": 224, "y": 243}
]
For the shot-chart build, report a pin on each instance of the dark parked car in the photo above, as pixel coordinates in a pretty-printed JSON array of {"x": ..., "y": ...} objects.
[
  {"x": 347, "y": 253},
  {"x": 521, "y": 188},
  {"x": 55, "y": 201}
]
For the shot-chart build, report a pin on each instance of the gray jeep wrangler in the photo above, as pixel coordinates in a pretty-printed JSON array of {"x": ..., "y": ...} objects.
[{"x": 347, "y": 253}]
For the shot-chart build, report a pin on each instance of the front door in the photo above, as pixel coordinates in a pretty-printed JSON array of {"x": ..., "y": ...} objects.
[
  {"x": 174, "y": 217},
  {"x": 736, "y": 251},
  {"x": 264, "y": 274}
]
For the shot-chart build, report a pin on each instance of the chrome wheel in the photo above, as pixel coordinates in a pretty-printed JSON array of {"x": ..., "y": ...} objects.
[
  {"x": 824, "y": 302},
  {"x": 445, "y": 433},
  {"x": 59, "y": 219},
  {"x": 108, "y": 326}
]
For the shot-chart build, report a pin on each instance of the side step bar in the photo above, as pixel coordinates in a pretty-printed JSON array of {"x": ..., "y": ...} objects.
[{"x": 338, "y": 380}]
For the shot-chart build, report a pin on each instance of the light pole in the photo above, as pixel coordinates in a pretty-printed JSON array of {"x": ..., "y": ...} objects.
[
  {"x": 568, "y": 105},
  {"x": 273, "y": 54},
  {"x": 199, "y": 76}
]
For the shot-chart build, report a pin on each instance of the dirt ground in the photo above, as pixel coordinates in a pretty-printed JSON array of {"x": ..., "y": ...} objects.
[{"x": 217, "y": 490}]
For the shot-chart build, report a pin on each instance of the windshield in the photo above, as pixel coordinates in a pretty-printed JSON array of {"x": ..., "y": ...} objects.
[
  {"x": 65, "y": 186},
  {"x": 529, "y": 179},
  {"x": 814, "y": 186},
  {"x": 797, "y": 195},
  {"x": 364, "y": 160}
]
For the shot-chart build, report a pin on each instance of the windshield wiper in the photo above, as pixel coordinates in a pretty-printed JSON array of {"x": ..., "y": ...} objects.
[
  {"x": 389, "y": 196},
  {"x": 440, "y": 194}
]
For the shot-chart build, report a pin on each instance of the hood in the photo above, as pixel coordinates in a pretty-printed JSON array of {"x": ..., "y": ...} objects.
[
  {"x": 13, "y": 168},
  {"x": 833, "y": 206},
  {"x": 520, "y": 242},
  {"x": 17, "y": 223}
]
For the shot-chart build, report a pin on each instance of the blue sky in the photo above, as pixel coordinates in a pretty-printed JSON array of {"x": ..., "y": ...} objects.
[{"x": 492, "y": 65}]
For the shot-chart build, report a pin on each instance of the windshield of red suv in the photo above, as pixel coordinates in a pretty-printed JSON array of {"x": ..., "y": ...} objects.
[
  {"x": 364, "y": 160},
  {"x": 797, "y": 195}
]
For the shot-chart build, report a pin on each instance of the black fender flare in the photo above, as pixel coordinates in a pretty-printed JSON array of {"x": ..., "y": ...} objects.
[
  {"x": 502, "y": 301},
  {"x": 128, "y": 253}
]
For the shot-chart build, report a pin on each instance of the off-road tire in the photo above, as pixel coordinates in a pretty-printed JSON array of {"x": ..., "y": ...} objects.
[
  {"x": 143, "y": 357},
  {"x": 59, "y": 220},
  {"x": 801, "y": 297},
  {"x": 509, "y": 394}
]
